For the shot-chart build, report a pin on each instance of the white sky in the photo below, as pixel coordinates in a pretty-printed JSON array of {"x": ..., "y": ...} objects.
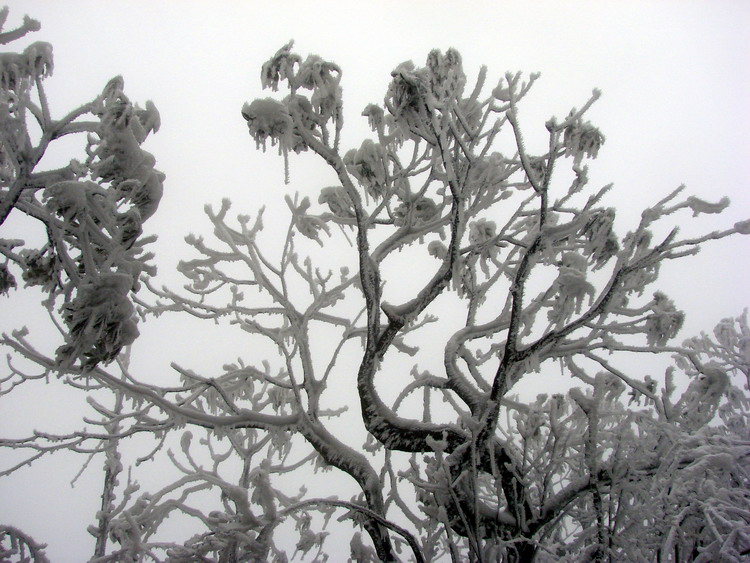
[{"x": 675, "y": 78}]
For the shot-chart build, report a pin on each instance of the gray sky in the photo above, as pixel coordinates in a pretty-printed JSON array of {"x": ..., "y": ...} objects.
[{"x": 674, "y": 77}]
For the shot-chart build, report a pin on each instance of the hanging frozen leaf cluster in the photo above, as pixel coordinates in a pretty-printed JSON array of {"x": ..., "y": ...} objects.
[
  {"x": 581, "y": 139},
  {"x": 571, "y": 287},
  {"x": 664, "y": 322},
  {"x": 269, "y": 119},
  {"x": 116, "y": 156},
  {"x": 101, "y": 320},
  {"x": 92, "y": 212},
  {"x": 367, "y": 165},
  {"x": 282, "y": 121}
]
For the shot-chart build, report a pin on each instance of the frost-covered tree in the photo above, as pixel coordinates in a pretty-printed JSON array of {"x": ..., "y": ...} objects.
[{"x": 521, "y": 273}]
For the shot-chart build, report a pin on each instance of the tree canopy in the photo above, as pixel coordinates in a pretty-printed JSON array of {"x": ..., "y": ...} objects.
[{"x": 397, "y": 335}]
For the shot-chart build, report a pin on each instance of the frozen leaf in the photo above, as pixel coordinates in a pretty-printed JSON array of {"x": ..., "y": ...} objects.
[
  {"x": 410, "y": 99},
  {"x": 571, "y": 287},
  {"x": 100, "y": 320},
  {"x": 17, "y": 69},
  {"x": 39, "y": 268},
  {"x": 279, "y": 67},
  {"x": 70, "y": 199},
  {"x": 664, "y": 322},
  {"x": 481, "y": 231},
  {"x": 359, "y": 552},
  {"x": 602, "y": 242},
  {"x": 487, "y": 172},
  {"x": 308, "y": 225},
  {"x": 420, "y": 211},
  {"x": 302, "y": 108},
  {"x": 374, "y": 115},
  {"x": 309, "y": 539},
  {"x": 447, "y": 78},
  {"x": 699, "y": 206},
  {"x": 699, "y": 402},
  {"x": 582, "y": 139},
  {"x": 7, "y": 281},
  {"x": 367, "y": 165},
  {"x": 185, "y": 441},
  {"x": 437, "y": 249},
  {"x": 322, "y": 77},
  {"x": 337, "y": 200},
  {"x": 268, "y": 118}
]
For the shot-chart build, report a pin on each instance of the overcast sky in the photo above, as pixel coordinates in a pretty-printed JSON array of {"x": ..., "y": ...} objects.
[{"x": 674, "y": 75}]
